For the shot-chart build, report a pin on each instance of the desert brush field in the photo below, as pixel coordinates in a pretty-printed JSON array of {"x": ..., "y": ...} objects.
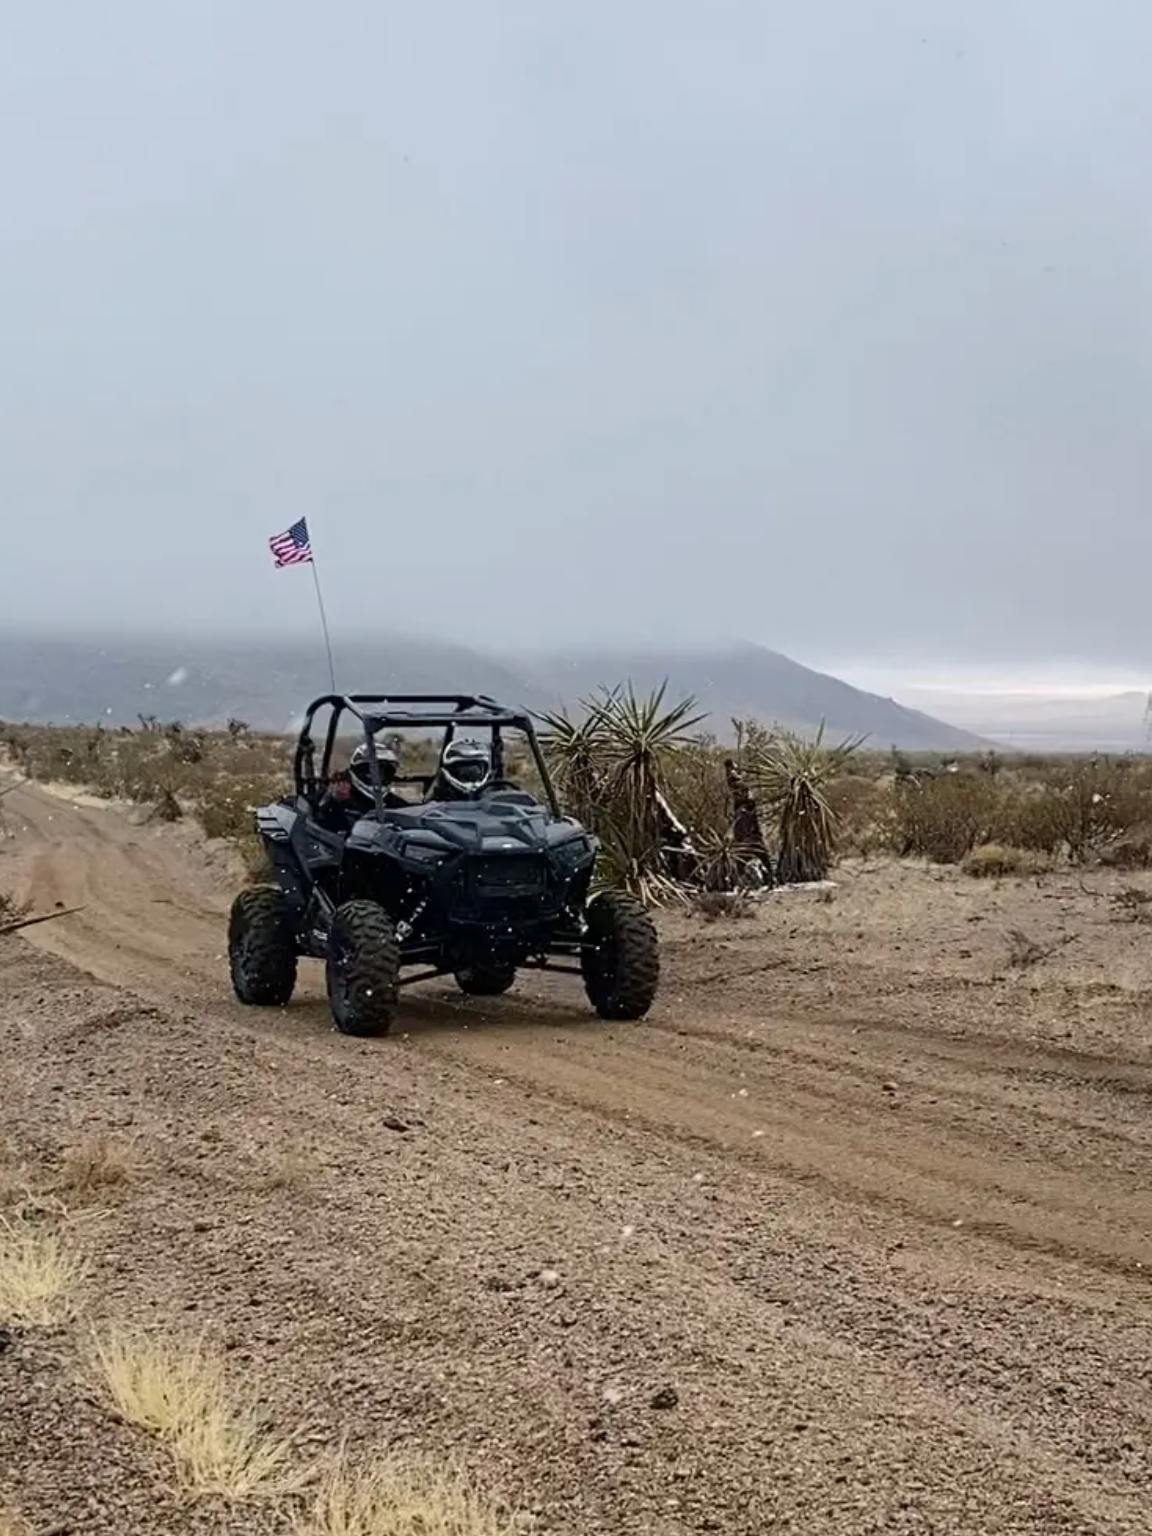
[{"x": 853, "y": 1234}]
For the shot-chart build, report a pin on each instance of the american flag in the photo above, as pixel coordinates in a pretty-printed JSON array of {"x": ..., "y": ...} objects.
[{"x": 293, "y": 546}]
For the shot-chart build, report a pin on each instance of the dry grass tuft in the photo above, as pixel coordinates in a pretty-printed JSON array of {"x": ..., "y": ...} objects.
[
  {"x": 96, "y": 1166},
  {"x": 178, "y": 1391},
  {"x": 290, "y": 1169},
  {"x": 1025, "y": 952},
  {"x": 713, "y": 905},
  {"x": 39, "y": 1272},
  {"x": 11, "y": 910},
  {"x": 1133, "y": 904},
  {"x": 398, "y": 1495}
]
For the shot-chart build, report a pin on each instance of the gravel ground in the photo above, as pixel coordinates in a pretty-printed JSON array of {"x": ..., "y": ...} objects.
[{"x": 853, "y": 1235}]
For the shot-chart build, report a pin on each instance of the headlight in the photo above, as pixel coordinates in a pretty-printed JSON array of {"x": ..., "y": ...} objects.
[
  {"x": 574, "y": 854},
  {"x": 420, "y": 853}
]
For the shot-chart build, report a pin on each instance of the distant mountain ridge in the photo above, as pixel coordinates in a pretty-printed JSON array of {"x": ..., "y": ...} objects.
[
  {"x": 746, "y": 681},
  {"x": 268, "y": 682}
]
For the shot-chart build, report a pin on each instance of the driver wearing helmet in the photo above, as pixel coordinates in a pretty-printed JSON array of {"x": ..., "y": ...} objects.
[
  {"x": 465, "y": 771},
  {"x": 349, "y": 795},
  {"x": 360, "y": 777}
]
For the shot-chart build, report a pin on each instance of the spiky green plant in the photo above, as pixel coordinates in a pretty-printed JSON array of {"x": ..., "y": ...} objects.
[
  {"x": 610, "y": 765},
  {"x": 640, "y": 735},
  {"x": 790, "y": 775},
  {"x": 723, "y": 864},
  {"x": 622, "y": 865},
  {"x": 575, "y": 753}
]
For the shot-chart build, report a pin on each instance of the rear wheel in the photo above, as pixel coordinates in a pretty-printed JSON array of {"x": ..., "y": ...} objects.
[
  {"x": 363, "y": 969},
  {"x": 620, "y": 959},
  {"x": 485, "y": 980},
  {"x": 262, "y": 947}
]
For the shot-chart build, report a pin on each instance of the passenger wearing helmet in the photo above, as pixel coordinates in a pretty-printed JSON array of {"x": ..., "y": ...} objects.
[{"x": 465, "y": 771}]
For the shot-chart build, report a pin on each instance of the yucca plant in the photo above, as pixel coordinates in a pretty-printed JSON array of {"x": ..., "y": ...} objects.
[
  {"x": 725, "y": 863},
  {"x": 639, "y": 737},
  {"x": 790, "y": 775},
  {"x": 609, "y": 766},
  {"x": 622, "y": 865},
  {"x": 575, "y": 753}
]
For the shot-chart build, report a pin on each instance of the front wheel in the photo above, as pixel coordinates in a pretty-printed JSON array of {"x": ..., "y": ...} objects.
[
  {"x": 620, "y": 958},
  {"x": 262, "y": 947},
  {"x": 485, "y": 980},
  {"x": 363, "y": 969}
]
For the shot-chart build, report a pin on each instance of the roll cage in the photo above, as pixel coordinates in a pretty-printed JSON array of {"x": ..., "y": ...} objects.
[{"x": 378, "y": 712}]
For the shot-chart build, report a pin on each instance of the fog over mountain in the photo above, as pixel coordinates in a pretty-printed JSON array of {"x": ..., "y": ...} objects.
[
  {"x": 269, "y": 683},
  {"x": 570, "y": 325}
]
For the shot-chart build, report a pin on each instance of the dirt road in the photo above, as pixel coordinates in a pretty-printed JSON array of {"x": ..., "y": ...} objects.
[{"x": 837, "y": 1241}]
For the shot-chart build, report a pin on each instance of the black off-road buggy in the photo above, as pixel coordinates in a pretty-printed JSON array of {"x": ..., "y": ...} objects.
[{"x": 474, "y": 888}]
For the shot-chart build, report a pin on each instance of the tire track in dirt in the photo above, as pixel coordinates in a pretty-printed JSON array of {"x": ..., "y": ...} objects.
[
  {"x": 941, "y": 1177},
  {"x": 154, "y": 922}
]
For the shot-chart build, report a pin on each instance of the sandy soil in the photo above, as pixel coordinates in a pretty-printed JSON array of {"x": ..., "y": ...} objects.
[{"x": 854, "y": 1234}]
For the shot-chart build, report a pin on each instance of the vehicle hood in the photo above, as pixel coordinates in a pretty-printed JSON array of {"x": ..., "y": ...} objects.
[{"x": 474, "y": 827}]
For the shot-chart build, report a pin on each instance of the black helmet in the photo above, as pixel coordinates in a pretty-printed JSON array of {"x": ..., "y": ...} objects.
[
  {"x": 361, "y": 775},
  {"x": 466, "y": 765}
]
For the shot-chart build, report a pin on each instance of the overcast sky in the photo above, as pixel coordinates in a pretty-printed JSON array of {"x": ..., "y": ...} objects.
[{"x": 828, "y": 325}]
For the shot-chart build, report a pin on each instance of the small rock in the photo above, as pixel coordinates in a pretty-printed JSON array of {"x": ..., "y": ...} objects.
[
  {"x": 550, "y": 1278},
  {"x": 665, "y": 1397},
  {"x": 394, "y": 1123},
  {"x": 889, "y": 1087}
]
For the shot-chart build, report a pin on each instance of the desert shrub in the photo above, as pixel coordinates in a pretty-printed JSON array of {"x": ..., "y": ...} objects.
[
  {"x": 226, "y": 807},
  {"x": 695, "y": 785},
  {"x": 862, "y": 808},
  {"x": 994, "y": 861},
  {"x": 1097, "y": 803},
  {"x": 943, "y": 819},
  {"x": 1036, "y": 817}
]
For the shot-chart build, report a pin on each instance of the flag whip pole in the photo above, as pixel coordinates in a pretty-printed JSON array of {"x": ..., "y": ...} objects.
[{"x": 323, "y": 622}]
